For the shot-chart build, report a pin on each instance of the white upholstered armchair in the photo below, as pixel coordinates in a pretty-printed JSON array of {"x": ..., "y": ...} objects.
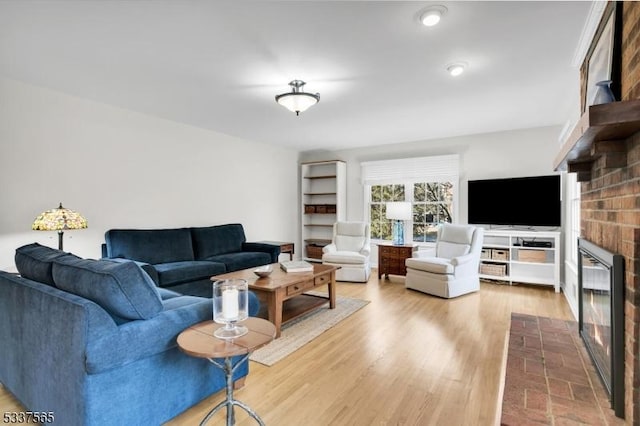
[
  {"x": 453, "y": 270},
  {"x": 350, "y": 249}
]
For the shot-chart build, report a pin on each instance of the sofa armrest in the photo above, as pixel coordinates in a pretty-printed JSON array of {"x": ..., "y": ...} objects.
[
  {"x": 425, "y": 252},
  {"x": 466, "y": 264},
  {"x": 461, "y": 260},
  {"x": 273, "y": 250},
  {"x": 136, "y": 340},
  {"x": 148, "y": 268},
  {"x": 329, "y": 248}
]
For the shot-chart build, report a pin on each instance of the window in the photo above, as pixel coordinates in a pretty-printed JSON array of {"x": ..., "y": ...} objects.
[
  {"x": 380, "y": 195},
  {"x": 432, "y": 204},
  {"x": 429, "y": 183},
  {"x": 573, "y": 195}
]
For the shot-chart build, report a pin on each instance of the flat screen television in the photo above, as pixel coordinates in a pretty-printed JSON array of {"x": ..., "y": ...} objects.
[{"x": 522, "y": 201}]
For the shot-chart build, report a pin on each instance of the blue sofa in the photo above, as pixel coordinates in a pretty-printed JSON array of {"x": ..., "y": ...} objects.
[
  {"x": 93, "y": 342},
  {"x": 184, "y": 259}
]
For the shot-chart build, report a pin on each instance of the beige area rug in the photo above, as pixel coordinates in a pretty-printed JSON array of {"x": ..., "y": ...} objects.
[{"x": 305, "y": 328}]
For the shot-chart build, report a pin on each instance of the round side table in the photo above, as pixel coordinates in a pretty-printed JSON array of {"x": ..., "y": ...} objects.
[{"x": 199, "y": 341}]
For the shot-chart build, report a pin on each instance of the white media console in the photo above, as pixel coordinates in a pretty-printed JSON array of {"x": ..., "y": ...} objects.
[{"x": 531, "y": 257}]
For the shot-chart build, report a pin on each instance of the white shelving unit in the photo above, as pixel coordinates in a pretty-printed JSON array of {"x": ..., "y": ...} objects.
[
  {"x": 324, "y": 202},
  {"x": 507, "y": 256}
]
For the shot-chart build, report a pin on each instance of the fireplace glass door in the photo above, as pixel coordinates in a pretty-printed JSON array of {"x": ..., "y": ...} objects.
[{"x": 601, "y": 322}]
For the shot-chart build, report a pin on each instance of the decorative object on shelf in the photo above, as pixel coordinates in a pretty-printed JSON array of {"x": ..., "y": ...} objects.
[
  {"x": 263, "y": 271},
  {"x": 603, "y": 59},
  {"x": 604, "y": 94},
  {"x": 398, "y": 211},
  {"x": 230, "y": 306},
  {"x": 297, "y": 101},
  {"x": 60, "y": 219}
]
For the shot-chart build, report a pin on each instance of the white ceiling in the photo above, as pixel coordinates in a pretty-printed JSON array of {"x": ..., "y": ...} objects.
[{"x": 381, "y": 75}]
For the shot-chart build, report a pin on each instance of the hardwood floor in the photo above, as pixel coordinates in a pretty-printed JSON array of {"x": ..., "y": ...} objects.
[{"x": 406, "y": 358}]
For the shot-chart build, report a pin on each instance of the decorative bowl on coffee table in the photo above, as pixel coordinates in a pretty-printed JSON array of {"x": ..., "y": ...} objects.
[{"x": 263, "y": 271}]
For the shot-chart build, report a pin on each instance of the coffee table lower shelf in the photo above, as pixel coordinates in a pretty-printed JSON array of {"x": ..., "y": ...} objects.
[{"x": 295, "y": 307}]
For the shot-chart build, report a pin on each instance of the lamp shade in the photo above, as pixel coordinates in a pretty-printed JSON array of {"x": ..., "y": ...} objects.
[
  {"x": 59, "y": 219},
  {"x": 399, "y": 210},
  {"x": 297, "y": 101}
]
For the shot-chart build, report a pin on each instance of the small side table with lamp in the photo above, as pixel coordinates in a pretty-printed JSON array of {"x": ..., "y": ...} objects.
[{"x": 391, "y": 257}]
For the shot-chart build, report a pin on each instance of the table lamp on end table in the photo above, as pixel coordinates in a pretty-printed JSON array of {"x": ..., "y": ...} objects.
[{"x": 398, "y": 211}]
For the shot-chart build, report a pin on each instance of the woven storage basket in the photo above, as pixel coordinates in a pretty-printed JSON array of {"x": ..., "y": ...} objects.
[
  {"x": 500, "y": 254},
  {"x": 314, "y": 251},
  {"x": 485, "y": 254},
  {"x": 491, "y": 269},
  {"x": 535, "y": 256}
]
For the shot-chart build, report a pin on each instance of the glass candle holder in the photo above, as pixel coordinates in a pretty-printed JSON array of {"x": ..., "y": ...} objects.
[{"x": 230, "y": 306}]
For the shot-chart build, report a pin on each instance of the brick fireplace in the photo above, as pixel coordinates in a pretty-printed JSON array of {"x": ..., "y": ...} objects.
[
  {"x": 604, "y": 151},
  {"x": 610, "y": 218}
]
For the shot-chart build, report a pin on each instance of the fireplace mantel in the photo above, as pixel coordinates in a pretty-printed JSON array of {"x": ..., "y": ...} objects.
[{"x": 601, "y": 131}]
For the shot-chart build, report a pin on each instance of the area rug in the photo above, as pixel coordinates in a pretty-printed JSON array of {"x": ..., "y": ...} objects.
[
  {"x": 549, "y": 377},
  {"x": 305, "y": 328}
]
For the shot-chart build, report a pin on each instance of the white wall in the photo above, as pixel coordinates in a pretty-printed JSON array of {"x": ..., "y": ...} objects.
[{"x": 122, "y": 169}]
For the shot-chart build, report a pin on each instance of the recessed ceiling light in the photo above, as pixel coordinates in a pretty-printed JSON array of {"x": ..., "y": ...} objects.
[
  {"x": 432, "y": 15},
  {"x": 456, "y": 69}
]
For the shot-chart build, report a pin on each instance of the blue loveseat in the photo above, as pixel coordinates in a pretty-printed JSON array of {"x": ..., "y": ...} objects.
[
  {"x": 184, "y": 259},
  {"x": 93, "y": 342}
]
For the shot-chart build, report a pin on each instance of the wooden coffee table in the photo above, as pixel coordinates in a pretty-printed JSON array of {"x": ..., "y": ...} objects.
[{"x": 284, "y": 292}]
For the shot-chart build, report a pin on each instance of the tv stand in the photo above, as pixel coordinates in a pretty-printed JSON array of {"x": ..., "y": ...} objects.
[{"x": 531, "y": 257}]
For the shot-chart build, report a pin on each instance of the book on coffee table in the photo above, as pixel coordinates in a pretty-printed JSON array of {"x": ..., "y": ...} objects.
[{"x": 296, "y": 266}]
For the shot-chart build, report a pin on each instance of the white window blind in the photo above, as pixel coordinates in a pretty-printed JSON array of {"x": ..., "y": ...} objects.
[{"x": 439, "y": 168}]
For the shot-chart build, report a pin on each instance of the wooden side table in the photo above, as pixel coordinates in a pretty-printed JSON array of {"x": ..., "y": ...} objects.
[
  {"x": 391, "y": 258},
  {"x": 199, "y": 341},
  {"x": 285, "y": 247}
]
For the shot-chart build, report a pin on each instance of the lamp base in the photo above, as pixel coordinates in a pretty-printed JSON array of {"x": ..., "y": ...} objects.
[
  {"x": 398, "y": 233},
  {"x": 231, "y": 331}
]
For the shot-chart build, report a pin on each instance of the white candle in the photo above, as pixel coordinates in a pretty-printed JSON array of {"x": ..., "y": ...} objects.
[{"x": 230, "y": 304}]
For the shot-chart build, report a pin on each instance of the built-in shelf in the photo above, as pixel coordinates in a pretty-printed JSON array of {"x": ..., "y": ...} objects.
[
  {"x": 321, "y": 177},
  {"x": 323, "y": 189},
  {"x": 601, "y": 131}
]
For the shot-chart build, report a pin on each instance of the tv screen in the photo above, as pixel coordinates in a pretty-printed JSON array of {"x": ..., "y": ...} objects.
[{"x": 524, "y": 201}]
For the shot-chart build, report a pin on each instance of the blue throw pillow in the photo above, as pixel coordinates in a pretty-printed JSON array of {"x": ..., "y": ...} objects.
[
  {"x": 35, "y": 262},
  {"x": 122, "y": 288}
]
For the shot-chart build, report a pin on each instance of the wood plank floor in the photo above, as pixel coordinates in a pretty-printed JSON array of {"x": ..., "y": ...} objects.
[{"x": 405, "y": 359}]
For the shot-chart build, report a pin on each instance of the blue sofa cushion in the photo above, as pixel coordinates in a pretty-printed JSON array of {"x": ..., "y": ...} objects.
[
  {"x": 167, "y": 294},
  {"x": 242, "y": 260},
  {"x": 35, "y": 262},
  {"x": 150, "y": 245},
  {"x": 180, "y": 272},
  {"x": 214, "y": 240},
  {"x": 121, "y": 288}
]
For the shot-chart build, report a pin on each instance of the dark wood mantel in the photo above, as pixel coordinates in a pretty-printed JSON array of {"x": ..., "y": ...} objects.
[{"x": 601, "y": 131}]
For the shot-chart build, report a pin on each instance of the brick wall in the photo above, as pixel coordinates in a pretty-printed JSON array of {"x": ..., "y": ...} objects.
[
  {"x": 611, "y": 219},
  {"x": 630, "y": 85},
  {"x": 610, "y": 215}
]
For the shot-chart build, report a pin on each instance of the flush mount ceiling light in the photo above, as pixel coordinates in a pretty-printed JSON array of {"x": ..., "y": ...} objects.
[
  {"x": 431, "y": 15},
  {"x": 297, "y": 101},
  {"x": 456, "y": 69}
]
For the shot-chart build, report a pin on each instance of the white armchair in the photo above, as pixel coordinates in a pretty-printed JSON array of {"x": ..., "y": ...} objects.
[
  {"x": 350, "y": 249},
  {"x": 453, "y": 271}
]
